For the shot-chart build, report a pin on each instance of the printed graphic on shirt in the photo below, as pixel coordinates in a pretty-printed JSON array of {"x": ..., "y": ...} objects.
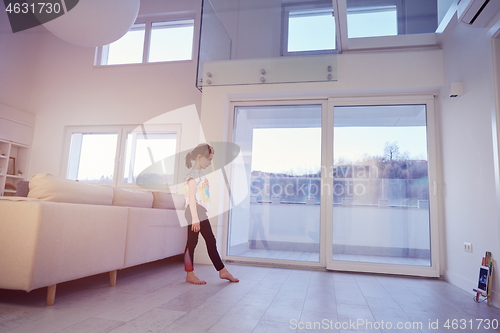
[
  {"x": 205, "y": 191},
  {"x": 202, "y": 194}
]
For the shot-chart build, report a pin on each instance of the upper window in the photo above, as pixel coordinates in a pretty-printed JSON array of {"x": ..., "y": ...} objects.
[
  {"x": 123, "y": 155},
  {"x": 171, "y": 41},
  {"x": 372, "y": 21},
  {"x": 318, "y": 26},
  {"x": 374, "y": 18},
  {"x": 127, "y": 50},
  {"x": 309, "y": 29},
  {"x": 151, "y": 41}
]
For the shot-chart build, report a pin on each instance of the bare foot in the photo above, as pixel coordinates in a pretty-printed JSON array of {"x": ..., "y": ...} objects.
[
  {"x": 224, "y": 274},
  {"x": 191, "y": 278}
]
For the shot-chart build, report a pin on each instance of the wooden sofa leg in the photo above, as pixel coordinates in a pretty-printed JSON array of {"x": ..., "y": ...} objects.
[
  {"x": 112, "y": 278},
  {"x": 51, "y": 295}
]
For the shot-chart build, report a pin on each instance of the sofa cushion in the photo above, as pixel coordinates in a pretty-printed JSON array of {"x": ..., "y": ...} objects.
[
  {"x": 127, "y": 198},
  {"x": 51, "y": 188},
  {"x": 165, "y": 200}
]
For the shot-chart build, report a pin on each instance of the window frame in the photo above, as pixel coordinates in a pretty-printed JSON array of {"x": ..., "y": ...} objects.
[
  {"x": 171, "y": 23},
  {"x": 399, "y": 41},
  {"x": 173, "y": 128},
  {"x": 101, "y": 58},
  {"x": 120, "y": 153},
  {"x": 104, "y": 50},
  {"x": 287, "y": 8},
  {"x": 326, "y": 229},
  {"x": 345, "y": 44}
]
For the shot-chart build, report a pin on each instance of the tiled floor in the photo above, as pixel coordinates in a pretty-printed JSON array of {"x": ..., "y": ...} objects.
[{"x": 154, "y": 298}]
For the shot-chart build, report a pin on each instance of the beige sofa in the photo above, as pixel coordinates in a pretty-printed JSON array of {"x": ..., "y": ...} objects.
[{"x": 65, "y": 230}]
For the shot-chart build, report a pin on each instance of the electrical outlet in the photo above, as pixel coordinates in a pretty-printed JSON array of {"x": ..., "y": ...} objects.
[{"x": 467, "y": 247}]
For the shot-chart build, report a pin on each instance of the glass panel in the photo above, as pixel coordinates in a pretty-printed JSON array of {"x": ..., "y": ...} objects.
[
  {"x": 171, "y": 41},
  {"x": 280, "y": 219},
  {"x": 147, "y": 155},
  {"x": 215, "y": 43},
  {"x": 92, "y": 157},
  {"x": 381, "y": 189},
  {"x": 311, "y": 30},
  {"x": 243, "y": 42},
  {"x": 126, "y": 50}
]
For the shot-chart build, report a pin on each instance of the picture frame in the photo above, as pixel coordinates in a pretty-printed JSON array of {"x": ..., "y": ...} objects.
[
  {"x": 11, "y": 169},
  {"x": 484, "y": 274}
]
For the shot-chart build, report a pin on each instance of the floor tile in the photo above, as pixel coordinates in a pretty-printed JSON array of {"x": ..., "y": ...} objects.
[{"x": 155, "y": 298}]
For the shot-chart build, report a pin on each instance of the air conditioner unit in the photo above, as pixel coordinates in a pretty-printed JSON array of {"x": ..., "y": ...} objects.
[{"x": 477, "y": 13}]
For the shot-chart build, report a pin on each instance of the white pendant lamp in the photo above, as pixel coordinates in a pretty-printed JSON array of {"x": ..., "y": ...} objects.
[{"x": 95, "y": 22}]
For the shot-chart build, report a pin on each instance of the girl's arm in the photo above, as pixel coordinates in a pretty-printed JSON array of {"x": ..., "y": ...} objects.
[{"x": 195, "y": 223}]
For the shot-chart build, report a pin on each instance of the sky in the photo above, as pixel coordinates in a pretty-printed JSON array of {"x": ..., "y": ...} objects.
[
  {"x": 299, "y": 149},
  {"x": 353, "y": 143},
  {"x": 97, "y": 155},
  {"x": 274, "y": 150},
  {"x": 167, "y": 44},
  {"x": 306, "y": 33}
]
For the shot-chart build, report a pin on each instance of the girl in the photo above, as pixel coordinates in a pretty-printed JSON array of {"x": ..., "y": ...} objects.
[{"x": 197, "y": 194}]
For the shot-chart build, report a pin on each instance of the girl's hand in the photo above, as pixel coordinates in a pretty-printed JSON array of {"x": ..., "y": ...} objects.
[{"x": 195, "y": 226}]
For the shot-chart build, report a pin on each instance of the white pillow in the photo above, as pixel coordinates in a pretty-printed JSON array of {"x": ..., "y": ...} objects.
[
  {"x": 165, "y": 200},
  {"x": 51, "y": 188},
  {"x": 128, "y": 198}
]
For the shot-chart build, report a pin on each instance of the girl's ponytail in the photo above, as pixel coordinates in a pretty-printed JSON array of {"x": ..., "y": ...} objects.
[{"x": 188, "y": 160}]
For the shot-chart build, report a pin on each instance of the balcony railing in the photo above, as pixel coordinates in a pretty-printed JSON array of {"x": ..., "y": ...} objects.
[{"x": 380, "y": 192}]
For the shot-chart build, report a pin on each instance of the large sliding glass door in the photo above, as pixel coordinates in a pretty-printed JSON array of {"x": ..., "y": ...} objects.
[
  {"x": 343, "y": 184},
  {"x": 381, "y": 215},
  {"x": 280, "y": 220}
]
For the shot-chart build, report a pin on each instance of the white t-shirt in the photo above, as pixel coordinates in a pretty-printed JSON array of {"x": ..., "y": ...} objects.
[{"x": 202, "y": 195}]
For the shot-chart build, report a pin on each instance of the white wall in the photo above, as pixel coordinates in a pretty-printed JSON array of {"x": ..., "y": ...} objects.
[
  {"x": 69, "y": 90},
  {"x": 17, "y": 64},
  {"x": 470, "y": 202}
]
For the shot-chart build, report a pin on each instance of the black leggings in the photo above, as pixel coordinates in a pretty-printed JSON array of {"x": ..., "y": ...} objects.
[{"x": 192, "y": 240}]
